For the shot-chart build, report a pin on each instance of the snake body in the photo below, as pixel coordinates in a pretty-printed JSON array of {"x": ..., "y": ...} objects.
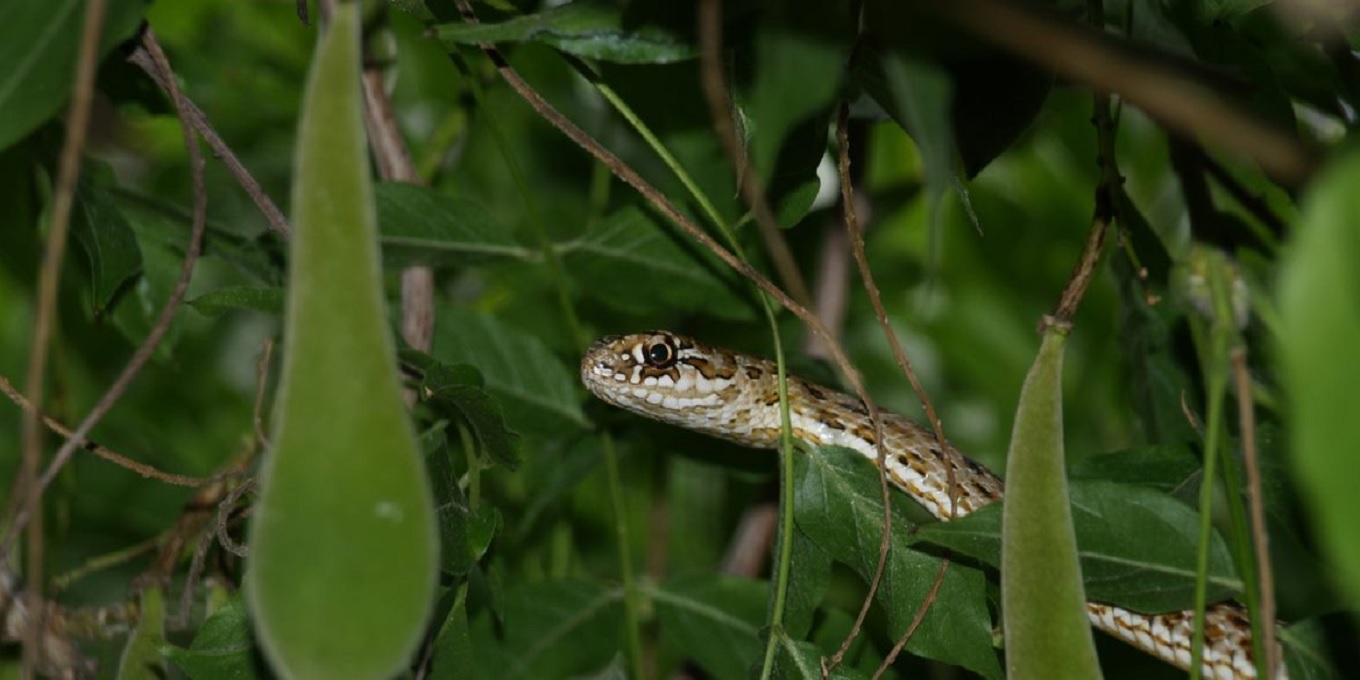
[{"x": 734, "y": 396}]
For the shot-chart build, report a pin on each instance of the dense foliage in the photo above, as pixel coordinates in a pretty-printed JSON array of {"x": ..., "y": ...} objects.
[{"x": 1215, "y": 340}]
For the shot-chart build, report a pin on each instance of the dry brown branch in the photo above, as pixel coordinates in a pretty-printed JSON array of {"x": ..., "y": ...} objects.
[
  {"x": 1246, "y": 416},
  {"x": 103, "y": 451},
  {"x": 199, "y": 120},
  {"x": 26, "y": 493},
  {"x": 748, "y": 178}
]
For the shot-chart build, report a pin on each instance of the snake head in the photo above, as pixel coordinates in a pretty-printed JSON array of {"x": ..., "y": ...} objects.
[{"x": 661, "y": 375}]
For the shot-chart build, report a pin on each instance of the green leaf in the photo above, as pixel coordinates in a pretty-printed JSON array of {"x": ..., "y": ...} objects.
[
  {"x": 342, "y": 547},
  {"x": 714, "y": 619},
  {"x": 919, "y": 96},
  {"x": 585, "y": 28},
  {"x": 420, "y": 225},
  {"x": 39, "y": 42},
  {"x": 552, "y": 629},
  {"x": 798, "y": 660},
  {"x": 235, "y": 298},
  {"x": 1043, "y": 602},
  {"x": 837, "y": 504},
  {"x": 109, "y": 244},
  {"x": 809, "y": 39},
  {"x": 1169, "y": 469},
  {"x": 1319, "y": 287},
  {"x": 222, "y": 649},
  {"x": 453, "y": 657},
  {"x": 141, "y": 659},
  {"x": 658, "y": 266},
  {"x": 537, "y": 392},
  {"x": 1136, "y": 545},
  {"x": 457, "y": 392},
  {"x": 809, "y": 578}
]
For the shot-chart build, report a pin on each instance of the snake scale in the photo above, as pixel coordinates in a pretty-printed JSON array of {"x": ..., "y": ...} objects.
[{"x": 679, "y": 381}]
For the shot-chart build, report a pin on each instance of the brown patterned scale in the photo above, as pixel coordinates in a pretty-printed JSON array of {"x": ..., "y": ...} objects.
[{"x": 676, "y": 380}]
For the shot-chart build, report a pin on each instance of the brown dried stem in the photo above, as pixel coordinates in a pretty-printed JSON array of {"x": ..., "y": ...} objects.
[
  {"x": 394, "y": 164},
  {"x": 1246, "y": 415},
  {"x": 162, "y": 324},
  {"x": 856, "y": 238},
  {"x": 77, "y": 125},
  {"x": 199, "y": 120},
  {"x": 748, "y": 178},
  {"x": 103, "y": 451}
]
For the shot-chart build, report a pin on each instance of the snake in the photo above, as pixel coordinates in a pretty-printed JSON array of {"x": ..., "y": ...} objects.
[{"x": 734, "y": 396}]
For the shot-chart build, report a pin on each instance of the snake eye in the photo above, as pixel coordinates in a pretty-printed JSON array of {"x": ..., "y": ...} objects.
[{"x": 660, "y": 353}]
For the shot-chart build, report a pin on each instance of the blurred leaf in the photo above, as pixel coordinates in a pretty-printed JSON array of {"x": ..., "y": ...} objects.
[
  {"x": 343, "y": 547},
  {"x": 1306, "y": 651},
  {"x": 1318, "y": 290},
  {"x": 586, "y": 28},
  {"x": 538, "y": 394},
  {"x": 236, "y": 298},
  {"x": 714, "y": 619},
  {"x": 420, "y": 225},
  {"x": 1043, "y": 602},
  {"x": 552, "y": 629},
  {"x": 919, "y": 96},
  {"x": 453, "y": 657},
  {"x": 630, "y": 262},
  {"x": 39, "y": 42},
  {"x": 141, "y": 659},
  {"x": 996, "y": 99},
  {"x": 806, "y": 38},
  {"x": 1137, "y": 546},
  {"x": 837, "y": 504},
  {"x": 109, "y": 243},
  {"x": 222, "y": 649}
]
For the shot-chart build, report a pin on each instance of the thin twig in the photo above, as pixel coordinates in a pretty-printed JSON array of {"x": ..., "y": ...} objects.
[
  {"x": 856, "y": 238},
  {"x": 1102, "y": 214},
  {"x": 224, "y": 511},
  {"x": 916, "y": 620},
  {"x": 748, "y": 178},
  {"x": 261, "y": 382},
  {"x": 68, "y": 171},
  {"x": 199, "y": 120},
  {"x": 394, "y": 163},
  {"x": 1168, "y": 96},
  {"x": 667, "y": 209},
  {"x": 103, "y": 451},
  {"x": 1261, "y": 539},
  {"x": 162, "y": 325}
]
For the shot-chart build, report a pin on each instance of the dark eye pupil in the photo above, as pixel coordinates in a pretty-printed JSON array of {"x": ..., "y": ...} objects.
[{"x": 659, "y": 353}]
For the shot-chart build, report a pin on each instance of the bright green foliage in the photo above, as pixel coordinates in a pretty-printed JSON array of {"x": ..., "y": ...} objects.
[
  {"x": 343, "y": 545},
  {"x": 1042, "y": 600},
  {"x": 1319, "y": 289},
  {"x": 142, "y": 658}
]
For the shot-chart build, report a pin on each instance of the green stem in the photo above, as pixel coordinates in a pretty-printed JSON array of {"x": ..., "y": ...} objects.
[{"x": 633, "y": 629}]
